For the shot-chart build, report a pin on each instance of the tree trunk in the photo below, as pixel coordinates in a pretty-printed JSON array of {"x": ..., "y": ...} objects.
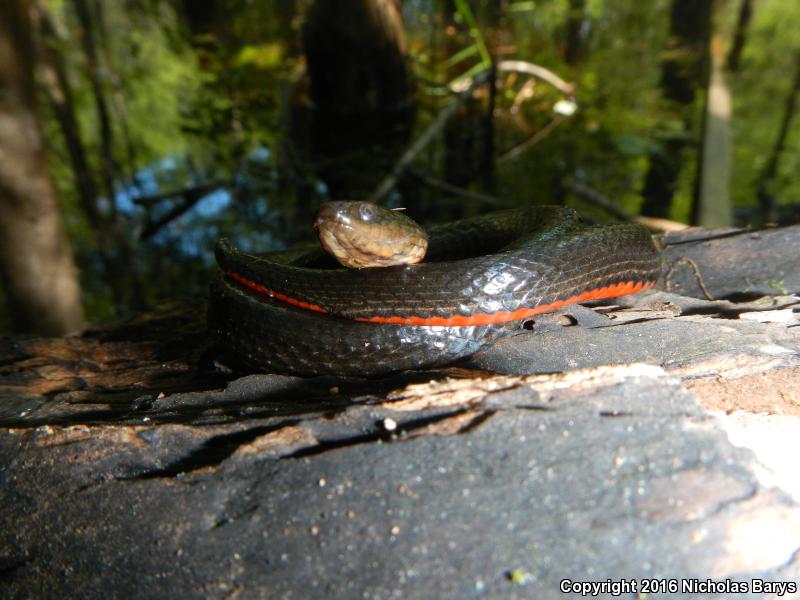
[
  {"x": 36, "y": 264},
  {"x": 361, "y": 90},
  {"x": 684, "y": 70},
  {"x": 356, "y": 53},
  {"x": 118, "y": 100},
  {"x": 573, "y": 44},
  {"x": 740, "y": 37},
  {"x": 108, "y": 168},
  {"x": 711, "y": 202}
]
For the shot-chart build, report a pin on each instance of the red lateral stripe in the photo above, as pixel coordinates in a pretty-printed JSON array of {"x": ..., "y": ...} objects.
[
  {"x": 611, "y": 291},
  {"x": 257, "y": 287}
]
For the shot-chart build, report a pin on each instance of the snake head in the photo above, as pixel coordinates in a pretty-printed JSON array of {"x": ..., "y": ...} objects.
[{"x": 362, "y": 234}]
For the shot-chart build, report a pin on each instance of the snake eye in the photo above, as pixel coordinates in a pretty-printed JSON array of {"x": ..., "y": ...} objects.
[{"x": 366, "y": 212}]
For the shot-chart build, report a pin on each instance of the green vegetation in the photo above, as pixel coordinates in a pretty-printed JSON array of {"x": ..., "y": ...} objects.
[{"x": 218, "y": 97}]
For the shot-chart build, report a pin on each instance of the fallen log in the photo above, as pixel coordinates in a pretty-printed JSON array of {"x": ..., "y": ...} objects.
[{"x": 605, "y": 443}]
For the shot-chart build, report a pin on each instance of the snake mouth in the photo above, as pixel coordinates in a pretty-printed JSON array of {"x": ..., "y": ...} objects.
[{"x": 338, "y": 238}]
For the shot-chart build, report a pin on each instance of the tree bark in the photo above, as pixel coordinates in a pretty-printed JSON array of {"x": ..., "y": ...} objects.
[
  {"x": 684, "y": 70},
  {"x": 36, "y": 263}
]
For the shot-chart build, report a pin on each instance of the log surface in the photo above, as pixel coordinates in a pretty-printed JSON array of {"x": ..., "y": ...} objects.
[{"x": 648, "y": 438}]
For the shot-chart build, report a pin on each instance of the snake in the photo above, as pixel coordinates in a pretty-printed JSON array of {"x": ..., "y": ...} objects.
[{"x": 481, "y": 279}]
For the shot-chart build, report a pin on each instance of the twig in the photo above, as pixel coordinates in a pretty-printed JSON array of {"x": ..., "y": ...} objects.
[
  {"x": 422, "y": 141},
  {"x": 449, "y": 188},
  {"x": 190, "y": 197},
  {"x": 568, "y": 89},
  {"x": 192, "y": 192},
  {"x": 464, "y": 90},
  {"x": 534, "y": 139},
  {"x": 520, "y": 66},
  {"x": 592, "y": 196},
  {"x": 697, "y": 276},
  {"x": 526, "y": 91},
  {"x": 658, "y": 224}
]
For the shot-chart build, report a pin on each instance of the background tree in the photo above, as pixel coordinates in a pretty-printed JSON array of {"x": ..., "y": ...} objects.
[
  {"x": 711, "y": 198},
  {"x": 684, "y": 71},
  {"x": 573, "y": 42},
  {"x": 360, "y": 90},
  {"x": 36, "y": 264},
  {"x": 740, "y": 35},
  {"x": 766, "y": 180},
  {"x": 112, "y": 240}
]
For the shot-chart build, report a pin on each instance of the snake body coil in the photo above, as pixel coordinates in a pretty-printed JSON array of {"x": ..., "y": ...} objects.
[{"x": 483, "y": 276}]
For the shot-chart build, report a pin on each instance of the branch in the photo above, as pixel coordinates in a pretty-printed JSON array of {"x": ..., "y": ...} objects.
[
  {"x": 192, "y": 192},
  {"x": 463, "y": 91},
  {"x": 449, "y": 188},
  {"x": 595, "y": 198},
  {"x": 426, "y": 138},
  {"x": 534, "y": 139},
  {"x": 191, "y": 196},
  {"x": 521, "y": 66}
]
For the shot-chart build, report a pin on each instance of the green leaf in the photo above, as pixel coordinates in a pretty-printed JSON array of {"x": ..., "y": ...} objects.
[
  {"x": 260, "y": 56},
  {"x": 461, "y": 55}
]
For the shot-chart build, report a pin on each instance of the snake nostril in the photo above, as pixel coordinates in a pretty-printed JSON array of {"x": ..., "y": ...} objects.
[{"x": 529, "y": 324}]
